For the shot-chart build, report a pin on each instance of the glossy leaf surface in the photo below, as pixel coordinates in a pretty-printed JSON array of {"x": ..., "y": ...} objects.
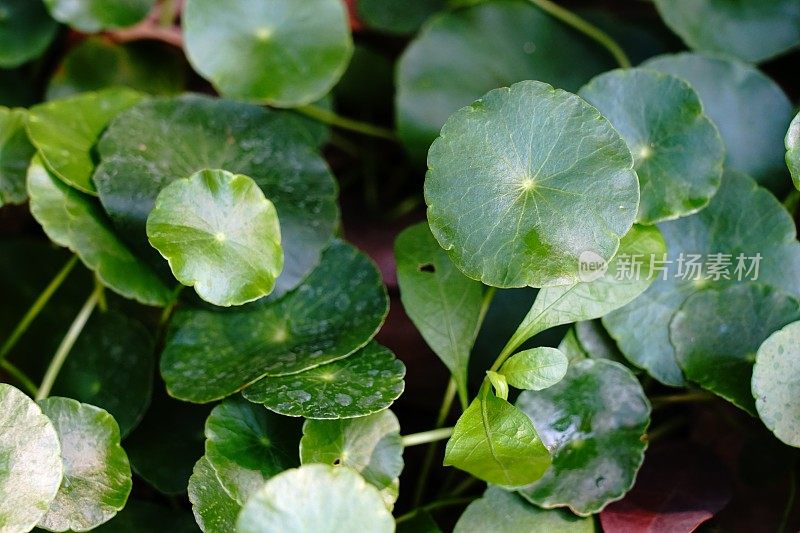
[
  {"x": 215, "y": 511},
  {"x": 25, "y": 31},
  {"x": 792, "y": 143},
  {"x": 16, "y": 152}
]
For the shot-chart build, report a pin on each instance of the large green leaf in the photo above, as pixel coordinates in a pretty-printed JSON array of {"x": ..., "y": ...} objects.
[
  {"x": 211, "y": 354},
  {"x": 219, "y": 234},
  {"x": 91, "y": 16},
  {"x": 97, "y": 475},
  {"x": 65, "y": 142},
  {"x": 752, "y": 30},
  {"x": 515, "y": 204},
  {"x": 15, "y": 155},
  {"x": 792, "y": 143},
  {"x": 595, "y": 421},
  {"x": 716, "y": 334},
  {"x": 319, "y": 498},
  {"x": 72, "y": 219},
  {"x": 677, "y": 151},
  {"x": 443, "y": 303},
  {"x": 26, "y": 30},
  {"x": 111, "y": 366},
  {"x": 30, "y": 461},
  {"x": 159, "y": 141},
  {"x": 397, "y": 16},
  {"x": 365, "y": 382},
  {"x": 214, "y": 509},
  {"x": 288, "y": 53},
  {"x": 750, "y": 110},
  {"x": 535, "y": 369},
  {"x": 462, "y": 54},
  {"x": 246, "y": 445},
  {"x": 776, "y": 383},
  {"x": 495, "y": 441},
  {"x": 500, "y": 511},
  {"x": 727, "y": 227},
  {"x": 370, "y": 445}
]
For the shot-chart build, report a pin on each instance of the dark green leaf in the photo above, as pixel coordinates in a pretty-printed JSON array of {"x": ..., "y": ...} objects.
[
  {"x": 214, "y": 509},
  {"x": 90, "y": 16},
  {"x": 397, "y": 16},
  {"x": 25, "y": 31},
  {"x": 792, "y": 142},
  {"x": 596, "y": 342},
  {"x": 15, "y": 155},
  {"x": 535, "y": 369}
]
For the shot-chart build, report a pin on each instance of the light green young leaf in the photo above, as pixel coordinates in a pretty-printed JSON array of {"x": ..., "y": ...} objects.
[
  {"x": 443, "y": 303},
  {"x": 246, "y": 445},
  {"x": 595, "y": 421},
  {"x": 212, "y": 354},
  {"x": 515, "y": 204},
  {"x": 792, "y": 143},
  {"x": 362, "y": 383},
  {"x": 677, "y": 151},
  {"x": 65, "y": 132},
  {"x": 318, "y": 498},
  {"x": 97, "y": 475},
  {"x": 91, "y": 16},
  {"x": 214, "y": 509},
  {"x": 26, "y": 30},
  {"x": 370, "y": 445},
  {"x": 776, "y": 384},
  {"x": 535, "y": 369},
  {"x": 495, "y": 441},
  {"x": 30, "y": 461},
  {"x": 72, "y": 219},
  {"x": 219, "y": 234},
  {"x": 571, "y": 347},
  {"x": 499, "y": 384},
  {"x": 288, "y": 53},
  {"x": 16, "y": 152}
]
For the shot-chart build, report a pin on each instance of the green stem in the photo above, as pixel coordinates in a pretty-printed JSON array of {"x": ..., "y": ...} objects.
[
  {"x": 787, "y": 511},
  {"x": 67, "y": 343},
  {"x": 37, "y": 307},
  {"x": 450, "y": 502},
  {"x": 590, "y": 30},
  {"x": 688, "y": 397},
  {"x": 425, "y": 437},
  {"x": 427, "y": 463},
  {"x": 20, "y": 376},
  {"x": 332, "y": 119},
  {"x": 168, "y": 12}
]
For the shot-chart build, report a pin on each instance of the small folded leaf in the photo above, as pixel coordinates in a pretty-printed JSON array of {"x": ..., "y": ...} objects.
[
  {"x": 26, "y": 30},
  {"x": 215, "y": 511},
  {"x": 366, "y": 382},
  {"x": 317, "y": 498},
  {"x": 65, "y": 142},
  {"x": 495, "y": 441},
  {"x": 500, "y": 511},
  {"x": 776, "y": 384},
  {"x": 212, "y": 354},
  {"x": 72, "y": 219},
  {"x": 219, "y": 234},
  {"x": 16, "y": 152},
  {"x": 30, "y": 461},
  {"x": 792, "y": 143},
  {"x": 595, "y": 421},
  {"x": 535, "y": 369},
  {"x": 370, "y": 445},
  {"x": 91, "y": 16},
  {"x": 443, "y": 303},
  {"x": 516, "y": 205},
  {"x": 246, "y": 445},
  {"x": 499, "y": 384},
  {"x": 288, "y": 53},
  {"x": 97, "y": 475},
  {"x": 677, "y": 151}
]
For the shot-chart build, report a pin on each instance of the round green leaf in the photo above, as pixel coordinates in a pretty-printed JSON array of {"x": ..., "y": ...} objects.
[
  {"x": 26, "y": 30},
  {"x": 792, "y": 143},
  {"x": 317, "y": 498},
  {"x": 716, "y": 334},
  {"x": 776, "y": 384},
  {"x": 750, "y": 110},
  {"x": 397, "y": 16},
  {"x": 595, "y": 421},
  {"x": 16, "y": 152},
  {"x": 91, "y": 16},
  {"x": 535, "y": 369},
  {"x": 515, "y": 204},
  {"x": 159, "y": 141},
  {"x": 462, "y": 54},
  {"x": 211, "y": 354},
  {"x": 752, "y": 30},
  {"x": 677, "y": 151},
  {"x": 65, "y": 143},
  {"x": 365, "y": 382},
  {"x": 727, "y": 226},
  {"x": 215, "y": 511},
  {"x": 370, "y": 445},
  {"x": 246, "y": 445},
  {"x": 111, "y": 366},
  {"x": 288, "y": 53},
  {"x": 30, "y": 461},
  {"x": 219, "y": 234},
  {"x": 97, "y": 475},
  {"x": 73, "y": 220},
  {"x": 500, "y": 511}
]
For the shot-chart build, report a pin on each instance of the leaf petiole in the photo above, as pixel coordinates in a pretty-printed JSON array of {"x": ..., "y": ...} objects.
[
  {"x": 20, "y": 376},
  {"x": 438, "y": 504},
  {"x": 332, "y": 119},
  {"x": 425, "y": 437}
]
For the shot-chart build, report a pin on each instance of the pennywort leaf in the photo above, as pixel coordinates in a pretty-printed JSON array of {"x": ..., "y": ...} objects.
[
  {"x": 26, "y": 30},
  {"x": 792, "y": 143},
  {"x": 15, "y": 155},
  {"x": 535, "y": 369},
  {"x": 215, "y": 511},
  {"x": 90, "y": 16}
]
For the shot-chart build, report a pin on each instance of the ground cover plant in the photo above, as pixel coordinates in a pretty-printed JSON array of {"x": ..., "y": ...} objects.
[{"x": 419, "y": 265}]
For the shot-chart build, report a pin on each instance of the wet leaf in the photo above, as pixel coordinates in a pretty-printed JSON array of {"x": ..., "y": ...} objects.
[{"x": 16, "y": 152}]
